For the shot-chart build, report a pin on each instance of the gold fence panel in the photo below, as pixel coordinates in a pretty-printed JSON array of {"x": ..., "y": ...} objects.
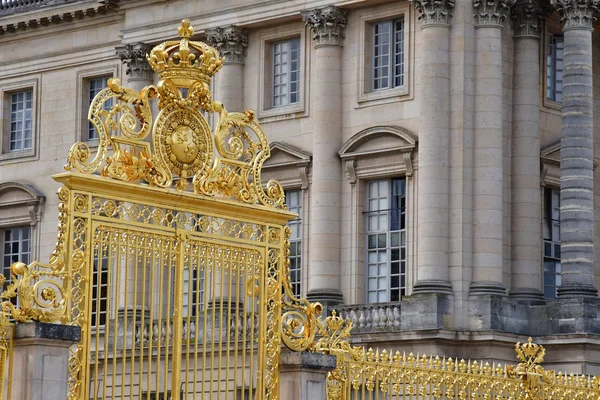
[
  {"x": 368, "y": 374},
  {"x": 171, "y": 257},
  {"x": 6, "y": 365}
]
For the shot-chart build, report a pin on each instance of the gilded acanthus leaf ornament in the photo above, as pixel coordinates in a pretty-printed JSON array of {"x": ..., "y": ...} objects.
[{"x": 177, "y": 148}]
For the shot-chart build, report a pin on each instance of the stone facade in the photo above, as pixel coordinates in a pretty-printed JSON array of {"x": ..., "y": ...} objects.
[{"x": 466, "y": 123}]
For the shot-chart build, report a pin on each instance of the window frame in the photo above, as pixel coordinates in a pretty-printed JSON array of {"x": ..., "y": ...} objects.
[
  {"x": 266, "y": 112},
  {"x": 288, "y": 72},
  {"x": 549, "y": 195},
  {"x": 366, "y": 95},
  {"x": 550, "y": 54},
  {"x": 83, "y": 77},
  {"x": 6, "y": 268},
  {"x": 296, "y": 243},
  {"x": 552, "y": 26},
  {"x": 389, "y": 247},
  {"x": 6, "y": 92},
  {"x": 107, "y": 105},
  {"x": 391, "y": 54}
]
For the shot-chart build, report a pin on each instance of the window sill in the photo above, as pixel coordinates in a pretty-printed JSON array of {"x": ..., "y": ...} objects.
[
  {"x": 282, "y": 113},
  {"x": 551, "y": 106},
  {"x": 384, "y": 96},
  {"x": 18, "y": 156}
]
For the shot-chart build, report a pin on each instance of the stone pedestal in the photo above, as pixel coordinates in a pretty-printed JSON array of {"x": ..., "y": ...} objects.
[
  {"x": 303, "y": 375},
  {"x": 40, "y": 360}
]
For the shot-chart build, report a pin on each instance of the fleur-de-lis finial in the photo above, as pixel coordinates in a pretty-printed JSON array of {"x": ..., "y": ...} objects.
[{"x": 185, "y": 30}]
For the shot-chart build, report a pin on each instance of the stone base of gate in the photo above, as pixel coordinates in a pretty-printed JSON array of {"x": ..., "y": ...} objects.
[
  {"x": 40, "y": 360},
  {"x": 303, "y": 375}
]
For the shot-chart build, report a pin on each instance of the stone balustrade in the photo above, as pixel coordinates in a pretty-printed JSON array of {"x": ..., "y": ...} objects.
[{"x": 372, "y": 317}]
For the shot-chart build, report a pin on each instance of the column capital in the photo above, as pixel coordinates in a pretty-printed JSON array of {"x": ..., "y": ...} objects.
[
  {"x": 434, "y": 12},
  {"x": 231, "y": 41},
  {"x": 576, "y": 14},
  {"x": 528, "y": 16},
  {"x": 134, "y": 56},
  {"x": 327, "y": 24},
  {"x": 491, "y": 12}
]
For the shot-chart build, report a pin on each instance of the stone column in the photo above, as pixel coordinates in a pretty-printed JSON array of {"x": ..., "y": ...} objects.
[
  {"x": 434, "y": 136},
  {"x": 526, "y": 272},
  {"x": 303, "y": 375},
  {"x": 139, "y": 73},
  {"x": 488, "y": 143},
  {"x": 40, "y": 360},
  {"x": 576, "y": 150},
  {"x": 327, "y": 25},
  {"x": 231, "y": 41}
]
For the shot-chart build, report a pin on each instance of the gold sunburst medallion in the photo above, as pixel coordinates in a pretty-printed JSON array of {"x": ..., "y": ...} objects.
[{"x": 184, "y": 142}]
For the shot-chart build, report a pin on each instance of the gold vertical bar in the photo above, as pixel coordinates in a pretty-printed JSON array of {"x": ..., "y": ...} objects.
[
  {"x": 182, "y": 239},
  {"x": 244, "y": 330},
  {"x": 188, "y": 317},
  {"x": 168, "y": 319},
  {"x": 262, "y": 270},
  {"x": 208, "y": 270},
  {"x": 237, "y": 316},
  {"x": 212, "y": 342},
  {"x": 106, "y": 318},
  {"x": 125, "y": 318},
  {"x": 161, "y": 264},
  {"x": 199, "y": 279},
  {"x": 89, "y": 315},
  {"x": 117, "y": 273},
  {"x": 151, "y": 327},
  {"x": 133, "y": 316},
  {"x": 143, "y": 240},
  {"x": 229, "y": 320},
  {"x": 225, "y": 261}
]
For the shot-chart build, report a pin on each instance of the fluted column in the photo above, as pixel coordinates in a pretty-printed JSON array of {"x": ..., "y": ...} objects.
[
  {"x": 327, "y": 25},
  {"x": 434, "y": 136},
  {"x": 139, "y": 73},
  {"x": 488, "y": 142},
  {"x": 576, "y": 150},
  {"x": 526, "y": 272},
  {"x": 231, "y": 41}
]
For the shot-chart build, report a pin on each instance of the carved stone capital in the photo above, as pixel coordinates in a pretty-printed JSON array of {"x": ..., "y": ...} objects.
[
  {"x": 231, "y": 42},
  {"x": 134, "y": 57},
  {"x": 528, "y": 16},
  {"x": 576, "y": 14},
  {"x": 434, "y": 12},
  {"x": 491, "y": 12},
  {"x": 327, "y": 24}
]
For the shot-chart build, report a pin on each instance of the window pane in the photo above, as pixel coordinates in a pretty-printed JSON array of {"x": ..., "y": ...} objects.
[
  {"x": 554, "y": 67},
  {"x": 294, "y": 202},
  {"x": 285, "y": 72}
]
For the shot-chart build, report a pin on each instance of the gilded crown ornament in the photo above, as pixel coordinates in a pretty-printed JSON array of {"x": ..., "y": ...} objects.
[{"x": 178, "y": 147}]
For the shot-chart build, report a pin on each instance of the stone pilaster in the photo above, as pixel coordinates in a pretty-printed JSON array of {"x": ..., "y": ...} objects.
[
  {"x": 327, "y": 25},
  {"x": 231, "y": 41},
  {"x": 576, "y": 151},
  {"x": 139, "y": 73},
  {"x": 526, "y": 273},
  {"x": 434, "y": 142},
  {"x": 488, "y": 145}
]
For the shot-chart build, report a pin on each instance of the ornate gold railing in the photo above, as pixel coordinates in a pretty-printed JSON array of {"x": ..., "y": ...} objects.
[
  {"x": 373, "y": 374},
  {"x": 6, "y": 333}
]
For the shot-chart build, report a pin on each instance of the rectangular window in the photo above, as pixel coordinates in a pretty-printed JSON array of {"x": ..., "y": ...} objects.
[
  {"x": 294, "y": 203},
  {"x": 100, "y": 290},
  {"x": 387, "y": 54},
  {"x": 16, "y": 246},
  {"x": 552, "y": 266},
  {"x": 21, "y": 120},
  {"x": 554, "y": 68},
  {"x": 385, "y": 231},
  {"x": 285, "y": 72},
  {"x": 94, "y": 87},
  {"x": 193, "y": 292}
]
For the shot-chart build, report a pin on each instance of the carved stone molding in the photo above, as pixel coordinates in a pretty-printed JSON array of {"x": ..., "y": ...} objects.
[
  {"x": 134, "y": 57},
  {"x": 231, "y": 41},
  {"x": 434, "y": 12},
  {"x": 491, "y": 12},
  {"x": 576, "y": 14},
  {"x": 327, "y": 25},
  {"x": 528, "y": 16}
]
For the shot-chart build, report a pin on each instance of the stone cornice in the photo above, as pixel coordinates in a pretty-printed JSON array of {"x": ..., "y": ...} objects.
[
  {"x": 54, "y": 18},
  {"x": 327, "y": 24},
  {"x": 231, "y": 41},
  {"x": 527, "y": 16},
  {"x": 134, "y": 57},
  {"x": 433, "y": 12},
  {"x": 491, "y": 12},
  {"x": 576, "y": 14}
]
